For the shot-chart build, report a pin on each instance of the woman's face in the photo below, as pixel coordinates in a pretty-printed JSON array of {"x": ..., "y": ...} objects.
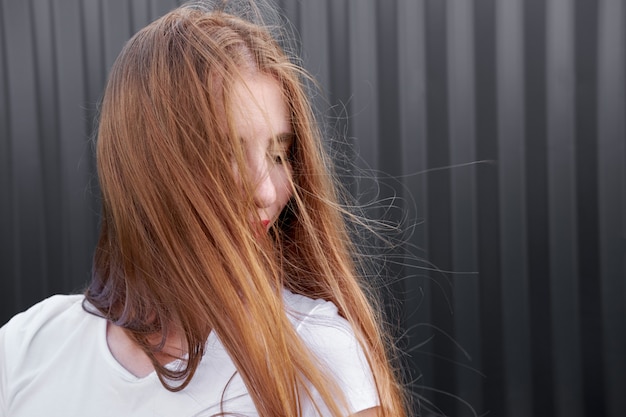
[{"x": 262, "y": 121}]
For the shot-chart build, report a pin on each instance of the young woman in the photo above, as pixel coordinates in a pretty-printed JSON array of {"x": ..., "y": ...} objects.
[{"x": 224, "y": 281}]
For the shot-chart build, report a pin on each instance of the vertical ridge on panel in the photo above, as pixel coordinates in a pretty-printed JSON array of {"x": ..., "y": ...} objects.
[
  {"x": 461, "y": 105},
  {"x": 388, "y": 138},
  {"x": 438, "y": 201},
  {"x": 26, "y": 155},
  {"x": 611, "y": 206},
  {"x": 513, "y": 217},
  {"x": 93, "y": 89},
  {"x": 413, "y": 127},
  {"x": 364, "y": 117},
  {"x": 315, "y": 54},
  {"x": 563, "y": 213},
  {"x": 8, "y": 255},
  {"x": 488, "y": 214},
  {"x": 95, "y": 79},
  {"x": 314, "y": 35},
  {"x": 537, "y": 204},
  {"x": 140, "y": 15},
  {"x": 364, "y": 104},
  {"x": 586, "y": 41},
  {"x": 74, "y": 145},
  {"x": 49, "y": 144},
  {"x": 116, "y": 30},
  {"x": 340, "y": 94},
  {"x": 94, "y": 57},
  {"x": 389, "y": 153}
]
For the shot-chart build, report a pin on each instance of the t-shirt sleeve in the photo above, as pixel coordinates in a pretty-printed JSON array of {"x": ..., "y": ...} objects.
[
  {"x": 331, "y": 339},
  {"x": 12, "y": 338},
  {"x": 17, "y": 349}
]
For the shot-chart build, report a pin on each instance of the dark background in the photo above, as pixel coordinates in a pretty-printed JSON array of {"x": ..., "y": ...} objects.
[{"x": 494, "y": 130}]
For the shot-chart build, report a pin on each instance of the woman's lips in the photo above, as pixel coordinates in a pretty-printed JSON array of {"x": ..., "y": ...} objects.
[{"x": 265, "y": 223}]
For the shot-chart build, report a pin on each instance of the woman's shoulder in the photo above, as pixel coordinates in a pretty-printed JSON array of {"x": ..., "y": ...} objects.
[
  {"x": 302, "y": 309},
  {"x": 46, "y": 318},
  {"x": 334, "y": 344},
  {"x": 318, "y": 321},
  {"x": 46, "y": 310}
]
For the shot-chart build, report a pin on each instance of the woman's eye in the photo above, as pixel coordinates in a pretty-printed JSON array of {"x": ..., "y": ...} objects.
[{"x": 278, "y": 159}]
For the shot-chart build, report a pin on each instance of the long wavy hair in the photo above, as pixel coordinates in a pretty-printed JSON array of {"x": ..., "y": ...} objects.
[{"x": 176, "y": 252}]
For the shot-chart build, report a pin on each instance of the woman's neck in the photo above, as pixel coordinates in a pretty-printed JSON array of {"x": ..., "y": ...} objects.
[{"x": 130, "y": 355}]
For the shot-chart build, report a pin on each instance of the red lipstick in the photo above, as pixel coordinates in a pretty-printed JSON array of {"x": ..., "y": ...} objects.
[{"x": 265, "y": 223}]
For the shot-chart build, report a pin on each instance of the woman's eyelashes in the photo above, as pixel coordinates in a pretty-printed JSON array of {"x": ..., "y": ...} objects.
[{"x": 280, "y": 157}]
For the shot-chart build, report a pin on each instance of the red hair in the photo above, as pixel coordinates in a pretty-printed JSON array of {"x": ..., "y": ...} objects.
[{"x": 176, "y": 253}]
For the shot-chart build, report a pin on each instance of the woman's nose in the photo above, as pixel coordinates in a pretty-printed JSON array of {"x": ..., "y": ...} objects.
[{"x": 265, "y": 191}]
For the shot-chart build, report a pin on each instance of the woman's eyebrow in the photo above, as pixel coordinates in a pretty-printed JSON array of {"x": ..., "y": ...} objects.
[{"x": 285, "y": 139}]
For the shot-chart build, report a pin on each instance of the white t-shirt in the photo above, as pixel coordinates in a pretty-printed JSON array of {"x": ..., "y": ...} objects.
[{"x": 55, "y": 361}]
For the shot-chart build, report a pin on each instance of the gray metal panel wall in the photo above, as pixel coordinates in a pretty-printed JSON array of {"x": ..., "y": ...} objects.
[{"x": 495, "y": 127}]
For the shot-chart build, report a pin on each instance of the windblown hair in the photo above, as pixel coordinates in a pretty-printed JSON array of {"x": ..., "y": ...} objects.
[{"x": 177, "y": 253}]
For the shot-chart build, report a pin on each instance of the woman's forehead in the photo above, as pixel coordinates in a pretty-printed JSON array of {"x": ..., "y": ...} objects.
[{"x": 259, "y": 110}]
